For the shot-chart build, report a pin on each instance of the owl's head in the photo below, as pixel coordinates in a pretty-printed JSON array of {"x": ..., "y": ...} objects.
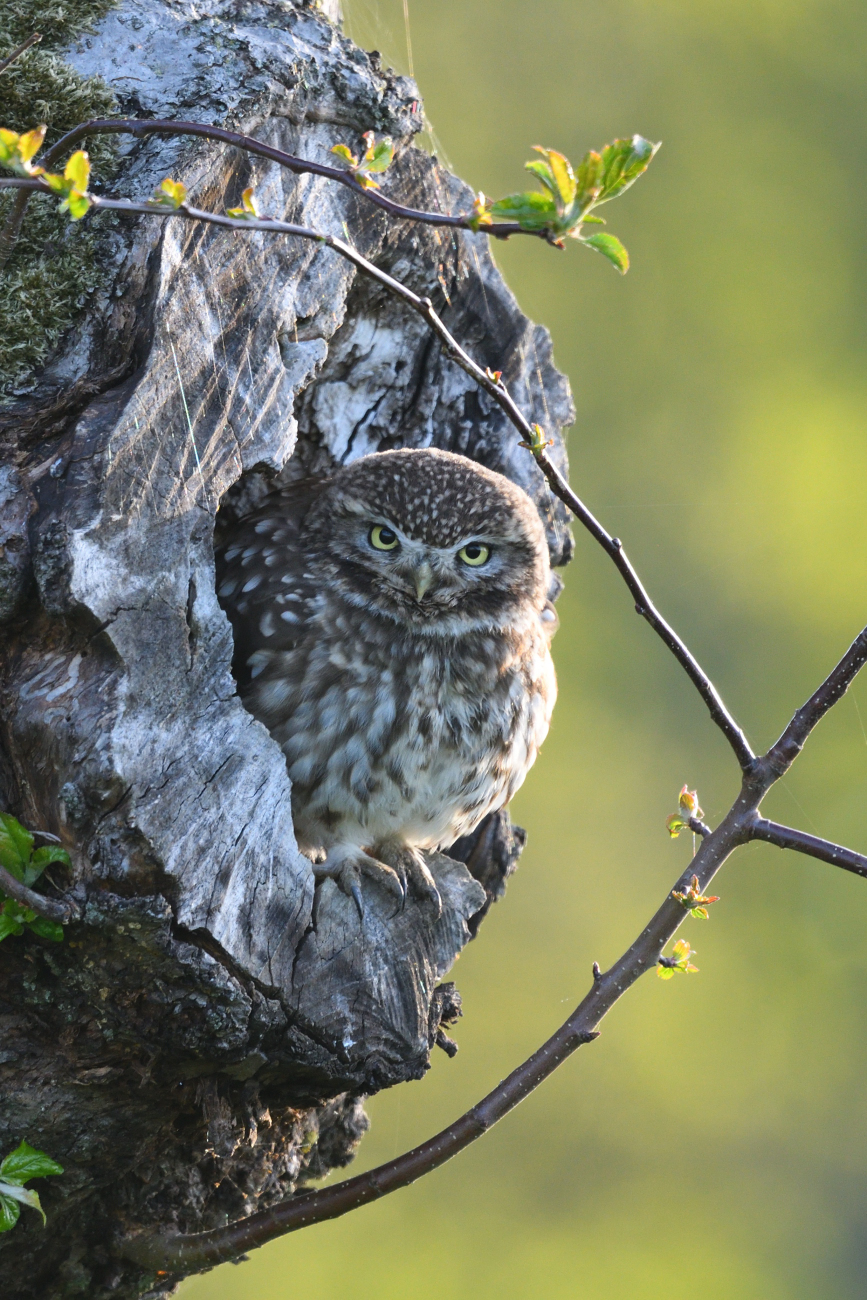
[{"x": 433, "y": 539}]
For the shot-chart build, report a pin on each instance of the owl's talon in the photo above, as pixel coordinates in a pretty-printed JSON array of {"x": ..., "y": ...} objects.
[
  {"x": 409, "y": 865},
  {"x": 346, "y": 870},
  {"x": 404, "y": 886}
]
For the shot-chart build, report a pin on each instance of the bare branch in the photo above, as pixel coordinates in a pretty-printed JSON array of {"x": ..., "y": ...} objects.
[
  {"x": 21, "y": 49},
  {"x": 300, "y": 166},
  {"x": 37, "y": 903},
  {"x": 646, "y": 608},
  {"x": 781, "y": 755},
  {"x": 786, "y": 837}
]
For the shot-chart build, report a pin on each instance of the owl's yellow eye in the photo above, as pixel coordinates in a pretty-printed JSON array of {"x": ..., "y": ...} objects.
[
  {"x": 382, "y": 538},
  {"x": 474, "y": 554}
]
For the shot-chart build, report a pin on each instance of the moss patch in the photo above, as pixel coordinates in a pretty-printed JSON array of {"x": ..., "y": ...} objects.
[{"x": 53, "y": 267}]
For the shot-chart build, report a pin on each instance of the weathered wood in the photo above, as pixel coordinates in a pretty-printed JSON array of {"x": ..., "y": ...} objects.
[{"x": 201, "y": 990}]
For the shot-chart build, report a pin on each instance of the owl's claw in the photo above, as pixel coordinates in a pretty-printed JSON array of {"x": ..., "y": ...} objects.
[
  {"x": 410, "y": 868},
  {"x": 404, "y": 888},
  {"x": 346, "y": 869}
]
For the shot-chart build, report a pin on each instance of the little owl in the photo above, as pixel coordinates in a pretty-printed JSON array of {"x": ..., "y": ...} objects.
[{"x": 392, "y": 632}]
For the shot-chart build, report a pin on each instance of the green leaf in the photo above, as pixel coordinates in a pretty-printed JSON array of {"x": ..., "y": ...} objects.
[
  {"x": 560, "y": 178},
  {"x": 597, "y": 221},
  {"x": 54, "y": 181},
  {"x": 30, "y": 143},
  {"x": 77, "y": 170},
  {"x": 24, "y": 1163},
  {"x": 16, "y": 846},
  {"x": 343, "y": 151},
  {"x": 8, "y": 145},
  {"x": 379, "y": 156},
  {"x": 609, "y": 246},
  {"x": 76, "y": 205},
  {"x": 9, "y": 1212},
  {"x": 10, "y": 922},
  {"x": 46, "y": 929},
  {"x": 170, "y": 194},
  {"x": 17, "y": 150},
  {"x": 623, "y": 161},
  {"x": 543, "y": 172},
  {"x": 11, "y": 1192},
  {"x": 44, "y": 857},
  {"x": 248, "y": 211},
  {"x": 589, "y": 179},
  {"x": 532, "y": 210}
]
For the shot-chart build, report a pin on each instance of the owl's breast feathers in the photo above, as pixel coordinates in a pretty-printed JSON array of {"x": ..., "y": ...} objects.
[{"x": 388, "y": 731}]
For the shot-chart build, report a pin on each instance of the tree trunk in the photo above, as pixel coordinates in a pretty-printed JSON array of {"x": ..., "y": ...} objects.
[{"x": 200, "y": 1042}]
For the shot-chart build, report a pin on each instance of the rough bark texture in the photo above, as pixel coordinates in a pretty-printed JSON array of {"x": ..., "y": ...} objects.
[{"x": 198, "y": 1044}]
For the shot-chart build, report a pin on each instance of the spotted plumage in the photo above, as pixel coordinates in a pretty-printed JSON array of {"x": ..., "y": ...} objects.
[{"x": 392, "y": 630}]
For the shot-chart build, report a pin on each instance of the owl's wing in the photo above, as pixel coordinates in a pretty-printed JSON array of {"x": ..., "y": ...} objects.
[{"x": 262, "y": 578}]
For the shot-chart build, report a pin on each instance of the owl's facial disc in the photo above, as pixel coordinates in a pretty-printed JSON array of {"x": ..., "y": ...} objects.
[{"x": 427, "y": 539}]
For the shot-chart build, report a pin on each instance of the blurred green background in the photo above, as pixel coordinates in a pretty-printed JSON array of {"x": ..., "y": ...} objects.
[{"x": 713, "y": 1142}]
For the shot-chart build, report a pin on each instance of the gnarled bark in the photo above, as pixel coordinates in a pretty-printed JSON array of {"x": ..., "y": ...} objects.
[{"x": 198, "y": 1044}]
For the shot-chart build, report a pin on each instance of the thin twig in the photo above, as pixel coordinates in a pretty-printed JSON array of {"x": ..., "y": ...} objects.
[
  {"x": 781, "y": 755},
  {"x": 12, "y": 229},
  {"x": 646, "y": 608},
  {"x": 300, "y": 166},
  {"x": 37, "y": 903},
  {"x": 21, "y": 49},
  {"x": 786, "y": 837}
]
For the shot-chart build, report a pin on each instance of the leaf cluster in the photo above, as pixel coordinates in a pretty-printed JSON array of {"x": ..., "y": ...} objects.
[
  {"x": 678, "y": 962},
  {"x": 687, "y": 810},
  {"x": 569, "y": 196},
  {"x": 377, "y": 158},
  {"x": 26, "y": 863},
  {"x": 17, "y": 152},
  {"x": 18, "y": 1168},
  {"x": 694, "y": 901}
]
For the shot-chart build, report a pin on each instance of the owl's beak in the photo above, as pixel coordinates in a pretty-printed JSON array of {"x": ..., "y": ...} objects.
[{"x": 422, "y": 577}]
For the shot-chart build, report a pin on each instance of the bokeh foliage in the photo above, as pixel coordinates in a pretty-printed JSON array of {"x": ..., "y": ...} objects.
[
  {"x": 53, "y": 268},
  {"x": 713, "y": 1142}
]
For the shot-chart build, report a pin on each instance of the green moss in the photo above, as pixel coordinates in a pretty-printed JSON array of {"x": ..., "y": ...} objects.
[
  {"x": 53, "y": 267},
  {"x": 56, "y": 23}
]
